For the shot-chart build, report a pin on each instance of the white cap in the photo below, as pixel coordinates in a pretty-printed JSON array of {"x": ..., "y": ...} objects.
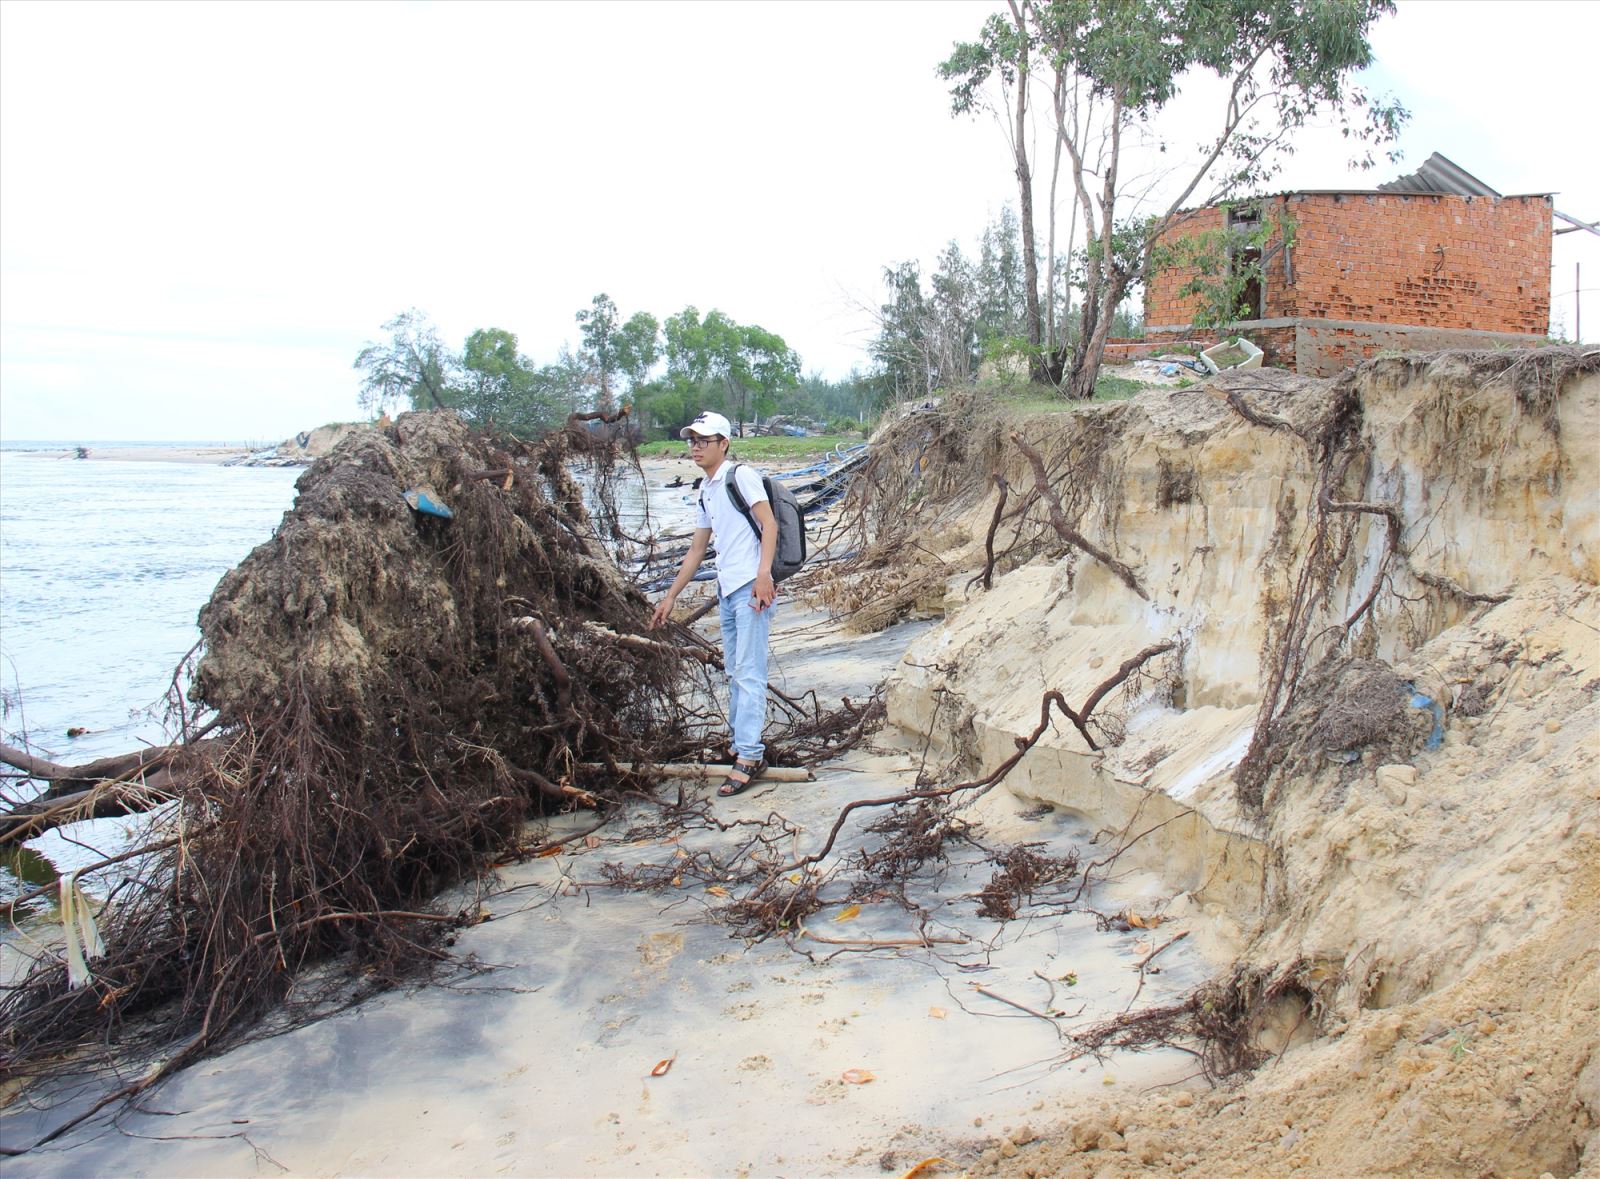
[{"x": 706, "y": 425}]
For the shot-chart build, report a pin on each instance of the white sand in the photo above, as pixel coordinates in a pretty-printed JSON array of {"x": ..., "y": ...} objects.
[{"x": 540, "y": 1065}]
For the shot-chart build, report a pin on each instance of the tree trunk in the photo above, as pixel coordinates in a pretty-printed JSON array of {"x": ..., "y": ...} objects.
[
  {"x": 1097, "y": 316},
  {"x": 35, "y": 818},
  {"x": 64, "y": 780},
  {"x": 1030, "y": 253}
]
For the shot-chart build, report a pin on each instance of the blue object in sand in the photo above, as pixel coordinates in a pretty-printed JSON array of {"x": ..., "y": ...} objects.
[
  {"x": 1429, "y": 704},
  {"x": 420, "y": 499}
]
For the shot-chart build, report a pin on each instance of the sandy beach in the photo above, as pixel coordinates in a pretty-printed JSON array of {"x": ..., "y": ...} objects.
[
  {"x": 820, "y": 1053},
  {"x": 207, "y": 455}
]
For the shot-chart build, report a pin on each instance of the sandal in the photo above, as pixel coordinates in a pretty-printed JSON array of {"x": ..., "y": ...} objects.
[{"x": 741, "y": 776}]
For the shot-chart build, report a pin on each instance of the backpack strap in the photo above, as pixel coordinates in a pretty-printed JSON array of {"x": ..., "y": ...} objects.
[{"x": 737, "y": 497}]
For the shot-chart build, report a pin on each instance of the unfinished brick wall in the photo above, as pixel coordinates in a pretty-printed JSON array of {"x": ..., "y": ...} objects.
[
  {"x": 1428, "y": 260},
  {"x": 1423, "y": 259},
  {"x": 1162, "y": 303}
]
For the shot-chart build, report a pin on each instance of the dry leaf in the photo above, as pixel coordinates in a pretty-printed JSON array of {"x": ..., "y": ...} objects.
[
  {"x": 677, "y": 882},
  {"x": 663, "y": 1066},
  {"x": 849, "y": 911},
  {"x": 681, "y": 854},
  {"x": 794, "y": 878},
  {"x": 717, "y": 890},
  {"x": 1142, "y": 948},
  {"x": 1137, "y": 921},
  {"x": 856, "y": 1076},
  {"x": 591, "y": 841},
  {"x": 924, "y": 1166},
  {"x": 937, "y": 1012},
  {"x": 550, "y": 851}
]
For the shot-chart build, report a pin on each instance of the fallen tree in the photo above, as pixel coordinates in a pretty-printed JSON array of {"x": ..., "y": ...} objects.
[{"x": 385, "y": 721}]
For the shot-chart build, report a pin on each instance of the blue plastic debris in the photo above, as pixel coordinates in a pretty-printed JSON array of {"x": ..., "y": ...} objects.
[
  {"x": 1420, "y": 700},
  {"x": 421, "y": 499}
]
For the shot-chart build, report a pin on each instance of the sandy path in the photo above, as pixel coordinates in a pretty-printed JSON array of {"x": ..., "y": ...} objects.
[{"x": 540, "y": 1066}]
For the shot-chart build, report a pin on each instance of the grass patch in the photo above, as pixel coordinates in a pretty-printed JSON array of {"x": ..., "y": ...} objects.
[
  {"x": 759, "y": 449},
  {"x": 1041, "y": 399},
  {"x": 1117, "y": 388}
]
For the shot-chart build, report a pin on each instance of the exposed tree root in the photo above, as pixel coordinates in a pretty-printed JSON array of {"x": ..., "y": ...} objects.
[{"x": 1064, "y": 528}]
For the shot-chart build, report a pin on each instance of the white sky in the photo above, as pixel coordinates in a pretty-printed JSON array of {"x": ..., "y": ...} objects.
[{"x": 206, "y": 210}]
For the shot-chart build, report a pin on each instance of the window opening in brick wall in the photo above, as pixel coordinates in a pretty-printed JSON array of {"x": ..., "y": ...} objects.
[{"x": 1244, "y": 257}]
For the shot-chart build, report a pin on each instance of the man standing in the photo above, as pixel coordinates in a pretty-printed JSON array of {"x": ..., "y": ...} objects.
[{"x": 744, "y": 582}]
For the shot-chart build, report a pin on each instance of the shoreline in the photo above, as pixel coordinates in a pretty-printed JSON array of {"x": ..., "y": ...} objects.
[{"x": 217, "y": 456}]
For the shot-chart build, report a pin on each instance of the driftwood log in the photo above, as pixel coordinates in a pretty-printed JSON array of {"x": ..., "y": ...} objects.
[{"x": 124, "y": 784}]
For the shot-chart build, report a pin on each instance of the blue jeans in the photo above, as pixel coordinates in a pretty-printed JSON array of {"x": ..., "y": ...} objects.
[{"x": 744, "y": 657}]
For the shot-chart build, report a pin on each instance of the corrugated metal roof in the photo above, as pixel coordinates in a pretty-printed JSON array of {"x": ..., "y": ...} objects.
[{"x": 1438, "y": 174}]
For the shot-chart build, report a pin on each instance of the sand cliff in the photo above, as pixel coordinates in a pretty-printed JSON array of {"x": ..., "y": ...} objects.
[{"x": 1368, "y": 768}]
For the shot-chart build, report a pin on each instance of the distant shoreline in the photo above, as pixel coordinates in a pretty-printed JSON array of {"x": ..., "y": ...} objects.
[{"x": 205, "y": 455}]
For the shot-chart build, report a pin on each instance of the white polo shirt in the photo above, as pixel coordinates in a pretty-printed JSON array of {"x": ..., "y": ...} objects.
[{"x": 738, "y": 550}]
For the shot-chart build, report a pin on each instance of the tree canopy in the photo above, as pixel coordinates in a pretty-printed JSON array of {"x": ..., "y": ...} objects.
[
  {"x": 711, "y": 362},
  {"x": 1110, "y": 67}
]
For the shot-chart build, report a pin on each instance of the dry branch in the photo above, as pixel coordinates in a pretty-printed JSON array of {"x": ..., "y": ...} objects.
[
  {"x": 104, "y": 801},
  {"x": 987, "y": 576},
  {"x": 1080, "y": 720},
  {"x": 64, "y": 780}
]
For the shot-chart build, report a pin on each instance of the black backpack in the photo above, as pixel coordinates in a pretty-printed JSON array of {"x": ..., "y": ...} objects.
[{"x": 791, "y": 551}]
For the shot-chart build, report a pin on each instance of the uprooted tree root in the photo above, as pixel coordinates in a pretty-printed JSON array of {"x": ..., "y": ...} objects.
[
  {"x": 1225, "y": 1023},
  {"x": 394, "y": 695},
  {"x": 1020, "y": 871}
]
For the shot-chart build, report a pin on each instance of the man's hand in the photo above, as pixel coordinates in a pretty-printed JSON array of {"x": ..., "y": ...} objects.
[
  {"x": 762, "y": 592},
  {"x": 663, "y": 610}
]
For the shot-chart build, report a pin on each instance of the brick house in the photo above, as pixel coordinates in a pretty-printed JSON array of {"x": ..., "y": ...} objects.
[{"x": 1432, "y": 260}]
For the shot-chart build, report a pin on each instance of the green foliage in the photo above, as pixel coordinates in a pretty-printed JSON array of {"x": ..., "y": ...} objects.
[
  {"x": 599, "y": 325},
  {"x": 638, "y": 348},
  {"x": 712, "y": 362},
  {"x": 1109, "y": 388},
  {"x": 763, "y": 448},
  {"x": 997, "y": 52},
  {"x": 412, "y": 366},
  {"x": 1115, "y": 64},
  {"x": 490, "y": 383},
  {"x": 935, "y": 337},
  {"x": 718, "y": 363},
  {"x": 1226, "y": 263},
  {"x": 1002, "y": 306},
  {"x": 902, "y": 349},
  {"x": 1026, "y": 398}
]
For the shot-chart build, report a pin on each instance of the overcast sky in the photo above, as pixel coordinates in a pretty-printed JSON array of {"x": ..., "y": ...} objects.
[{"x": 207, "y": 209}]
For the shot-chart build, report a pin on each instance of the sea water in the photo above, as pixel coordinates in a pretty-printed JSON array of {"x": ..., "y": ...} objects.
[{"x": 104, "y": 566}]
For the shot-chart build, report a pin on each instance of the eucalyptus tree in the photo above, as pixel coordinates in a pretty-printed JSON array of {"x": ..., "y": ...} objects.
[
  {"x": 637, "y": 347},
  {"x": 717, "y": 362},
  {"x": 1003, "y": 53},
  {"x": 599, "y": 323},
  {"x": 1116, "y": 65},
  {"x": 411, "y": 367}
]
